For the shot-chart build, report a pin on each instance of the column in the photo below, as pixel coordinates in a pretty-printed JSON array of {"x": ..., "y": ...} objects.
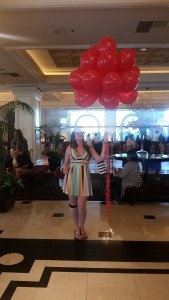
[
  {"x": 110, "y": 123},
  {"x": 26, "y": 122}
]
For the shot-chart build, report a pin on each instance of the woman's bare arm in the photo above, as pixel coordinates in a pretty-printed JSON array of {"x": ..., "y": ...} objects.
[{"x": 96, "y": 156}]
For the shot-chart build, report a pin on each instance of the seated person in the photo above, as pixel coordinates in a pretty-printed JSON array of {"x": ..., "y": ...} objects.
[
  {"x": 19, "y": 151},
  {"x": 129, "y": 176},
  {"x": 19, "y": 141},
  {"x": 147, "y": 144},
  {"x": 22, "y": 163}
]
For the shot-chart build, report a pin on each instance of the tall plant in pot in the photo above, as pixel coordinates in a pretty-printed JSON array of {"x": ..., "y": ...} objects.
[
  {"x": 52, "y": 135},
  {"x": 56, "y": 153},
  {"x": 9, "y": 184}
]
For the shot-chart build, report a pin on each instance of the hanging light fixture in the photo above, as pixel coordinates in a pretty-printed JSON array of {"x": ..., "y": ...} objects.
[{"x": 144, "y": 102}]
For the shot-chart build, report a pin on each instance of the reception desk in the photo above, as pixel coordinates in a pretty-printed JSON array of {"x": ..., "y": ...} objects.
[{"x": 148, "y": 161}]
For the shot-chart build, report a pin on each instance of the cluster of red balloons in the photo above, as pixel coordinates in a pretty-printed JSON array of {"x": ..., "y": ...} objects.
[{"x": 105, "y": 75}]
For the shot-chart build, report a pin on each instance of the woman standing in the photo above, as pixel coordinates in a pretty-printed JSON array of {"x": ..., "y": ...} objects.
[{"x": 77, "y": 182}]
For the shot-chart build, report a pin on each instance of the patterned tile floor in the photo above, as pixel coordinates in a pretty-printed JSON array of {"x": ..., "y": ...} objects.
[{"x": 126, "y": 256}]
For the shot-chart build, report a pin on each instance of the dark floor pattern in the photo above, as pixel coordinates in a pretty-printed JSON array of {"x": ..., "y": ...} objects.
[
  {"x": 124, "y": 251},
  {"x": 41, "y": 249},
  {"x": 44, "y": 280}
]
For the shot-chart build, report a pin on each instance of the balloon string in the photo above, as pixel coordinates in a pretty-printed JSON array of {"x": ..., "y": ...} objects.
[{"x": 107, "y": 189}]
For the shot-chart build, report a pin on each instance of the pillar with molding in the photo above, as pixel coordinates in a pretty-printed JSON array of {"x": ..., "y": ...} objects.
[
  {"x": 26, "y": 122},
  {"x": 110, "y": 123}
]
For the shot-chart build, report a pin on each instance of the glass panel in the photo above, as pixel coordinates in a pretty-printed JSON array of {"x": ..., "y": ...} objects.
[
  {"x": 118, "y": 123},
  {"x": 90, "y": 121}
]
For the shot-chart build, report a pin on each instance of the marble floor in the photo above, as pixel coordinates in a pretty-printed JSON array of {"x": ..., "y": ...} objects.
[{"x": 126, "y": 256}]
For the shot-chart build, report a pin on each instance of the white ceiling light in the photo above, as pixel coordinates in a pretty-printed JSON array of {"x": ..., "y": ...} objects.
[{"x": 57, "y": 30}]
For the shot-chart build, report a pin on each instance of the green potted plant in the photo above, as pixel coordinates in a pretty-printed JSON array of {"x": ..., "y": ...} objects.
[
  {"x": 52, "y": 135},
  {"x": 5, "y": 111},
  {"x": 9, "y": 184},
  {"x": 54, "y": 159},
  {"x": 56, "y": 154}
]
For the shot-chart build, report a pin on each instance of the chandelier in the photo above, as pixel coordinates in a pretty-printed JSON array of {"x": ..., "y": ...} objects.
[
  {"x": 144, "y": 102},
  {"x": 144, "y": 108}
]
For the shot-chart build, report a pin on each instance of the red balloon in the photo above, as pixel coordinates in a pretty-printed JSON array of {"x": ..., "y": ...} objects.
[
  {"x": 75, "y": 79},
  {"x": 88, "y": 60},
  {"x": 92, "y": 81},
  {"x": 107, "y": 62},
  {"x": 111, "y": 82},
  {"x": 128, "y": 98},
  {"x": 135, "y": 71},
  {"x": 109, "y": 102},
  {"x": 129, "y": 82},
  {"x": 107, "y": 43},
  {"x": 94, "y": 49},
  {"x": 85, "y": 99},
  {"x": 126, "y": 59}
]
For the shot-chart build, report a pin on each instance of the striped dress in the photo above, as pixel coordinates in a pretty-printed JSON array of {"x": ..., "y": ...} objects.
[{"x": 77, "y": 182}]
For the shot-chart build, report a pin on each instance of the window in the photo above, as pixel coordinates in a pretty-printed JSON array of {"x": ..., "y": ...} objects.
[
  {"x": 91, "y": 121},
  {"x": 119, "y": 122}
]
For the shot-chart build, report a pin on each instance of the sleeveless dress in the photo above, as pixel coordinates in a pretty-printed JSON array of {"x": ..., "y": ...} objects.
[{"x": 77, "y": 182}]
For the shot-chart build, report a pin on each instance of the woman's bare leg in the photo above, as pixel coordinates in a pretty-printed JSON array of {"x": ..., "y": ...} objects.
[
  {"x": 74, "y": 212},
  {"x": 82, "y": 213}
]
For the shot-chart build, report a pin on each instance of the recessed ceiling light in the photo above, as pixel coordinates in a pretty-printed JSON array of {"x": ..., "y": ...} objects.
[
  {"x": 57, "y": 30},
  {"x": 143, "y": 49}
]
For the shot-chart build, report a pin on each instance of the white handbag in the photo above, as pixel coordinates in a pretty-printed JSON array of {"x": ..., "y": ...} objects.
[{"x": 102, "y": 168}]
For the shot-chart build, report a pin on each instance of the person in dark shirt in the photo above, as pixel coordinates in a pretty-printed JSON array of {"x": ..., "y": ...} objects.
[
  {"x": 161, "y": 138},
  {"x": 19, "y": 142},
  {"x": 22, "y": 163},
  {"x": 138, "y": 142},
  {"x": 147, "y": 144}
]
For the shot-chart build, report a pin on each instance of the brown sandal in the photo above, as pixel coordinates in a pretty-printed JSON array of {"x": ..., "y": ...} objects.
[
  {"x": 76, "y": 236},
  {"x": 84, "y": 236}
]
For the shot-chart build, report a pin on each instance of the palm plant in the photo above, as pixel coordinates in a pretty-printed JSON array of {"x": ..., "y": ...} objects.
[
  {"x": 5, "y": 111},
  {"x": 51, "y": 132}
]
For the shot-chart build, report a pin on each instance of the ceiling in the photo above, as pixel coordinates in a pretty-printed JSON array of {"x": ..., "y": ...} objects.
[{"x": 41, "y": 43}]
